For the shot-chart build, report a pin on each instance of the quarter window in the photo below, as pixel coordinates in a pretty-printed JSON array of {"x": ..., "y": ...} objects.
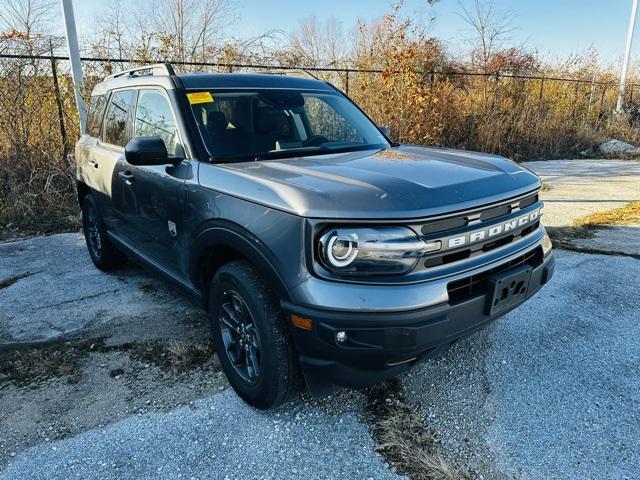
[
  {"x": 117, "y": 118},
  {"x": 154, "y": 118},
  {"x": 94, "y": 117}
]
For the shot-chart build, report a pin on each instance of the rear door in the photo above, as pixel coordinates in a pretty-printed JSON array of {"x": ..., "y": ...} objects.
[
  {"x": 108, "y": 155},
  {"x": 88, "y": 167}
]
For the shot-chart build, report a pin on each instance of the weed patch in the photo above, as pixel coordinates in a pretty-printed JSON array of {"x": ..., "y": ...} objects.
[
  {"x": 404, "y": 440},
  {"x": 629, "y": 214},
  {"x": 33, "y": 366},
  {"x": 174, "y": 355}
]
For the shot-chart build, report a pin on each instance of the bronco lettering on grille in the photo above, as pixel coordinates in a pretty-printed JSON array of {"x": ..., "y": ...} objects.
[{"x": 486, "y": 233}]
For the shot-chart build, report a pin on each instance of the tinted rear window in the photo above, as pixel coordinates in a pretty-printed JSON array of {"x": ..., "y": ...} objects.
[{"x": 116, "y": 121}]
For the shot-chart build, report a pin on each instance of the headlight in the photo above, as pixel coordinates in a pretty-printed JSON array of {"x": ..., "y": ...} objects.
[
  {"x": 546, "y": 244},
  {"x": 372, "y": 251}
]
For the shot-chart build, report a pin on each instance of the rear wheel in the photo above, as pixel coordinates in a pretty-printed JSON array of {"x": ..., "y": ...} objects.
[
  {"x": 103, "y": 253},
  {"x": 251, "y": 337}
]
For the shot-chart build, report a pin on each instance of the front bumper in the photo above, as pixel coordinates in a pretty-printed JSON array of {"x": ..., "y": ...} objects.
[{"x": 381, "y": 344}]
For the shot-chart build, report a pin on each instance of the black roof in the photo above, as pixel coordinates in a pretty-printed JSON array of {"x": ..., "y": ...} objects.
[
  {"x": 249, "y": 80},
  {"x": 162, "y": 73}
]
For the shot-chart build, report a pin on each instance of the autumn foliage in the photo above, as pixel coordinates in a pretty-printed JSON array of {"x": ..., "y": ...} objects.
[{"x": 500, "y": 100}]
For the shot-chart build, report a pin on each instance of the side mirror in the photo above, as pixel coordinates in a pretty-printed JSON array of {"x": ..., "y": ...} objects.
[
  {"x": 384, "y": 130},
  {"x": 146, "y": 151}
]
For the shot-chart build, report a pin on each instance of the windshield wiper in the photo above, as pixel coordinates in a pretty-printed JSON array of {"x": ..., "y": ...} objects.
[{"x": 293, "y": 152}]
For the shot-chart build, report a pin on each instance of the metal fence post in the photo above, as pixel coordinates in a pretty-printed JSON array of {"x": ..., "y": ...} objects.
[
  {"x": 575, "y": 100},
  {"x": 541, "y": 88},
  {"x": 604, "y": 91},
  {"x": 593, "y": 90},
  {"x": 346, "y": 83},
  {"x": 495, "y": 91},
  {"x": 56, "y": 89}
]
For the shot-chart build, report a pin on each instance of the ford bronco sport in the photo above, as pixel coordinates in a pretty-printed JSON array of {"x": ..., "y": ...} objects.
[{"x": 321, "y": 250}]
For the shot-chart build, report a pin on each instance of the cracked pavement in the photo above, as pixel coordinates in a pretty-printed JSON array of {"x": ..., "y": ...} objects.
[{"x": 61, "y": 293}]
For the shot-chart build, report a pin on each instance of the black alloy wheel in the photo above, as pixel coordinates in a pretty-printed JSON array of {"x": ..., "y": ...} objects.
[{"x": 240, "y": 336}]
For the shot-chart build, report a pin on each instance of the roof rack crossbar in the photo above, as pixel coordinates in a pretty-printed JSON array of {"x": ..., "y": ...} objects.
[{"x": 155, "y": 69}]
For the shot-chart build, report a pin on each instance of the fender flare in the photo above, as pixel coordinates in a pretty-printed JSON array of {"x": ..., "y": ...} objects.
[{"x": 230, "y": 235}]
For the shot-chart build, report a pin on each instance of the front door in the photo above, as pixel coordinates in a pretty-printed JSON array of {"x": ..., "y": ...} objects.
[{"x": 155, "y": 224}]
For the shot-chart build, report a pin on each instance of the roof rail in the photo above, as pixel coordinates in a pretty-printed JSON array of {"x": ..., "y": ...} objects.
[
  {"x": 155, "y": 69},
  {"x": 294, "y": 72}
]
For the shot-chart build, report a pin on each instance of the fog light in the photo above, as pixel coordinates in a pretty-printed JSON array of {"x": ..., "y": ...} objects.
[{"x": 341, "y": 337}]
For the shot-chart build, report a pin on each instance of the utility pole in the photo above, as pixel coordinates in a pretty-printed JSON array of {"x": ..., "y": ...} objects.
[
  {"x": 627, "y": 53},
  {"x": 74, "y": 57}
]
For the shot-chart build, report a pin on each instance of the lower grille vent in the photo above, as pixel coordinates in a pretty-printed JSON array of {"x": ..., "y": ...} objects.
[{"x": 474, "y": 285}]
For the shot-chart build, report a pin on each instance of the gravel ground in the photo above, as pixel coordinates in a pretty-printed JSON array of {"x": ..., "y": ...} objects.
[
  {"x": 551, "y": 390},
  {"x": 219, "y": 437},
  {"x": 581, "y": 187},
  {"x": 108, "y": 406},
  {"x": 56, "y": 291}
]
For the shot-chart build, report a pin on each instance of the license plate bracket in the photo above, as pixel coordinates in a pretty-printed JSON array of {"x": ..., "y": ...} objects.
[{"x": 508, "y": 289}]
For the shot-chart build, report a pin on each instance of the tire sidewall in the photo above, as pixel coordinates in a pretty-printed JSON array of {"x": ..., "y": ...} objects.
[
  {"x": 261, "y": 393},
  {"x": 89, "y": 204}
]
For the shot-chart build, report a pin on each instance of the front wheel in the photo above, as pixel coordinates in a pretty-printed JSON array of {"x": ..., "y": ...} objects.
[{"x": 251, "y": 337}]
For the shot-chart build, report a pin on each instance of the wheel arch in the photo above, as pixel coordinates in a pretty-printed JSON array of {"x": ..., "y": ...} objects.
[
  {"x": 82, "y": 190},
  {"x": 221, "y": 242}
]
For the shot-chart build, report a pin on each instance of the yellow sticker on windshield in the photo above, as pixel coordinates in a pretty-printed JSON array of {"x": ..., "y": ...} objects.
[{"x": 199, "y": 97}]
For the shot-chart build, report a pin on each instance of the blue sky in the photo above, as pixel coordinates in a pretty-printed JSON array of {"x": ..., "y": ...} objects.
[{"x": 556, "y": 28}]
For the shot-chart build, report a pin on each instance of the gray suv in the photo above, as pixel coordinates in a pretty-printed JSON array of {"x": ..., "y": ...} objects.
[{"x": 323, "y": 252}]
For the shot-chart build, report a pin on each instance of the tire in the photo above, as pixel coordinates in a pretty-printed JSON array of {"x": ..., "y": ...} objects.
[
  {"x": 270, "y": 375},
  {"x": 103, "y": 253}
]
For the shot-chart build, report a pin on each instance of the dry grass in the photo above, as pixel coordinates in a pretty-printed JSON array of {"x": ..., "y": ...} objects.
[
  {"x": 515, "y": 117},
  {"x": 174, "y": 355},
  {"x": 403, "y": 439},
  {"x": 585, "y": 227},
  {"x": 32, "y": 367},
  {"x": 627, "y": 215}
]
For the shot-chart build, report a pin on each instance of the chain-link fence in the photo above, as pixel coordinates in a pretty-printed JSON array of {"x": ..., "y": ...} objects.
[
  {"x": 588, "y": 101},
  {"x": 537, "y": 116}
]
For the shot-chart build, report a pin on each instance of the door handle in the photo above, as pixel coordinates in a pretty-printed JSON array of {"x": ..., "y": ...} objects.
[
  {"x": 93, "y": 163},
  {"x": 127, "y": 177}
]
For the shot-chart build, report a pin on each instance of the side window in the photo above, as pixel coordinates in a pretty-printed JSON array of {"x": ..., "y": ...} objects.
[
  {"x": 154, "y": 118},
  {"x": 117, "y": 117},
  {"x": 94, "y": 117}
]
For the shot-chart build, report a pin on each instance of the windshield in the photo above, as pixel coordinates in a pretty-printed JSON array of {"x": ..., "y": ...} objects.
[{"x": 260, "y": 124}]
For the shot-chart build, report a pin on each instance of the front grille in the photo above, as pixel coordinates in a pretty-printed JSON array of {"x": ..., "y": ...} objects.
[
  {"x": 528, "y": 201},
  {"x": 495, "y": 212},
  {"x": 444, "y": 225},
  {"x": 435, "y": 260},
  {"x": 489, "y": 213},
  {"x": 475, "y": 285},
  {"x": 463, "y": 224}
]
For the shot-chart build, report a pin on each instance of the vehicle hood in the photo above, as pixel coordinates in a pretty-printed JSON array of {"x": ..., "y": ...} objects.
[{"x": 398, "y": 182}]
